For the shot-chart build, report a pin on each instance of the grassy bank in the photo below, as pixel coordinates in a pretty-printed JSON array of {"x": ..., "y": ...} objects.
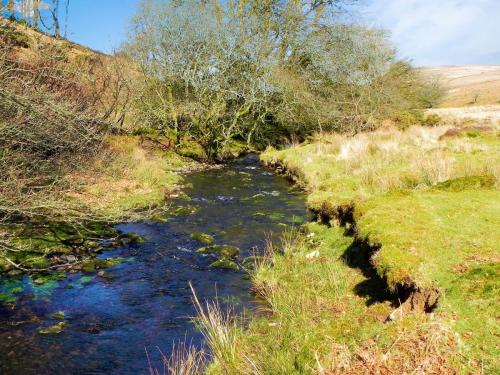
[{"x": 404, "y": 279}]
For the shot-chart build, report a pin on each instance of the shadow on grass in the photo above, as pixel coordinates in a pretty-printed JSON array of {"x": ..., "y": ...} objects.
[{"x": 373, "y": 288}]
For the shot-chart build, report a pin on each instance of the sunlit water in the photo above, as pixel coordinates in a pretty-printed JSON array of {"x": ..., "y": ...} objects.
[{"x": 147, "y": 305}]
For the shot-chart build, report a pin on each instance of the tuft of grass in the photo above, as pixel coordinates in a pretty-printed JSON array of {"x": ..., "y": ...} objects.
[
  {"x": 184, "y": 360},
  {"x": 219, "y": 329}
]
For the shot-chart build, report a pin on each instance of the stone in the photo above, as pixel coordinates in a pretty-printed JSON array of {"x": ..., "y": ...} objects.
[
  {"x": 225, "y": 264},
  {"x": 202, "y": 238},
  {"x": 223, "y": 251},
  {"x": 55, "y": 329},
  {"x": 59, "y": 315}
]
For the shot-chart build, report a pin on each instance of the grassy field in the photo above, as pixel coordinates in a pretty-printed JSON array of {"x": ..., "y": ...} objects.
[{"x": 404, "y": 279}]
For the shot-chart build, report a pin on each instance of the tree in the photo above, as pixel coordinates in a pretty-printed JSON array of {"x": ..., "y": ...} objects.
[
  {"x": 260, "y": 71},
  {"x": 54, "y": 10},
  {"x": 36, "y": 13}
]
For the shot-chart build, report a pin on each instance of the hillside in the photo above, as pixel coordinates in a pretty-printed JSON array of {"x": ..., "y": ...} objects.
[
  {"x": 68, "y": 150},
  {"x": 468, "y": 84},
  {"x": 472, "y": 92}
]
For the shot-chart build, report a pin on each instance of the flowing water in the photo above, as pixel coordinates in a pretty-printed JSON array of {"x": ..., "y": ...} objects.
[{"x": 110, "y": 323}]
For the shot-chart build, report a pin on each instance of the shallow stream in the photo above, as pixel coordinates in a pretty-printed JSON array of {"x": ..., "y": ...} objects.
[{"x": 145, "y": 303}]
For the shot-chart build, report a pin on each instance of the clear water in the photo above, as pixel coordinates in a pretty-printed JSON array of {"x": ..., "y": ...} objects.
[{"x": 147, "y": 305}]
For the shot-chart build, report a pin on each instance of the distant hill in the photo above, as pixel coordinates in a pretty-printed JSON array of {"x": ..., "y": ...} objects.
[{"x": 468, "y": 84}]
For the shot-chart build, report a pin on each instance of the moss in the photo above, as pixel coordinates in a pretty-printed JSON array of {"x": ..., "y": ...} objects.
[
  {"x": 469, "y": 182},
  {"x": 225, "y": 264},
  {"x": 92, "y": 265},
  {"x": 40, "y": 280},
  {"x": 202, "y": 238},
  {"x": 223, "y": 251},
  {"x": 53, "y": 330},
  {"x": 184, "y": 210},
  {"x": 7, "y": 298},
  {"x": 192, "y": 149},
  {"x": 233, "y": 149},
  {"x": 128, "y": 238}
]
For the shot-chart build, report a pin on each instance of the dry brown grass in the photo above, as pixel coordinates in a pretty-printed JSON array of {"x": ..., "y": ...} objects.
[
  {"x": 184, "y": 360},
  {"x": 468, "y": 84},
  {"x": 425, "y": 351}
]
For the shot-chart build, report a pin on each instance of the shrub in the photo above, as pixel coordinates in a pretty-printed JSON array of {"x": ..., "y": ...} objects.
[{"x": 432, "y": 120}]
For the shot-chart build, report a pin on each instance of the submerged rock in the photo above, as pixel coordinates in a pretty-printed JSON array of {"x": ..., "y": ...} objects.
[
  {"x": 105, "y": 275},
  {"x": 184, "y": 210},
  {"x": 41, "y": 280},
  {"x": 55, "y": 329},
  {"x": 130, "y": 238},
  {"x": 92, "y": 265},
  {"x": 225, "y": 264},
  {"x": 59, "y": 315},
  {"x": 223, "y": 251},
  {"x": 203, "y": 238}
]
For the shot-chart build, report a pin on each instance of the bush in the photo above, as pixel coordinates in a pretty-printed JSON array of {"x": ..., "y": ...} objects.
[
  {"x": 10, "y": 36},
  {"x": 405, "y": 119},
  {"x": 432, "y": 120},
  {"x": 192, "y": 149}
]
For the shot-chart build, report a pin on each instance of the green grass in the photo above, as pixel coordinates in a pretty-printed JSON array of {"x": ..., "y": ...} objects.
[
  {"x": 431, "y": 205},
  {"x": 425, "y": 234},
  {"x": 315, "y": 317}
]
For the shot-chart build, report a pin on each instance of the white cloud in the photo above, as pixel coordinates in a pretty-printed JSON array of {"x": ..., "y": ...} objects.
[{"x": 441, "y": 32}]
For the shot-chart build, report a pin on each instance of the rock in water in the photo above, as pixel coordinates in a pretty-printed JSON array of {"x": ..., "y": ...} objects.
[
  {"x": 223, "y": 251},
  {"x": 55, "y": 329},
  {"x": 203, "y": 238},
  {"x": 225, "y": 263}
]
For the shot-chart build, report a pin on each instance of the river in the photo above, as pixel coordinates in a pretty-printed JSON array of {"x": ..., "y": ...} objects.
[{"x": 145, "y": 303}]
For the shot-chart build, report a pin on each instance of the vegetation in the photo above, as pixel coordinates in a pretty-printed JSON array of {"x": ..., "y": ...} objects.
[
  {"x": 352, "y": 296},
  {"x": 67, "y": 172},
  {"x": 400, "y": 272},
  {"x": 261, "y": 73},
  {"x": 408, "y": 199}
]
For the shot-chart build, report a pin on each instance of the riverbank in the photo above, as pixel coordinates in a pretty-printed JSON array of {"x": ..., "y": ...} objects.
[
  {"x": 129, "y": 180},
  {"x": 404, "y": 275},
  {"x": 78, "y": 322}
]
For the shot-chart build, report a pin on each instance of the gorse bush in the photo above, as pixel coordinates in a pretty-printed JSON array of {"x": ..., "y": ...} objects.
[{"x": 263, "y": 72}]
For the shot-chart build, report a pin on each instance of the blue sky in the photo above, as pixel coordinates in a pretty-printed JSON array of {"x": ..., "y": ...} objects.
[
  {"x": 100, "y": 24},
  {"x": 441, "y": 32},
  {"x": 429, "y": 32}
]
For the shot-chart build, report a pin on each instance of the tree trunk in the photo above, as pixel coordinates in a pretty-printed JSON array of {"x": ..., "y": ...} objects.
[
  {"x": 55, "y": 17},
  {"x": 36, "y": 4},
  {"x": 10, "y": 8}
]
